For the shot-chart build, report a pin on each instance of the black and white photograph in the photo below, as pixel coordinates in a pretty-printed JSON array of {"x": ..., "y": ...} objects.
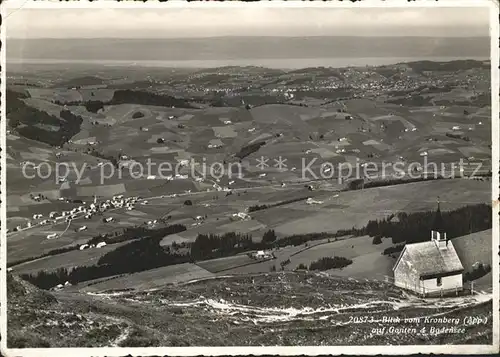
[{"x": 249, "y": 178}]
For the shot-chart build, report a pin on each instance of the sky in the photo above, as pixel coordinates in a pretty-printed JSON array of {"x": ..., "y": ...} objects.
[{"x": 182, "y": 23}]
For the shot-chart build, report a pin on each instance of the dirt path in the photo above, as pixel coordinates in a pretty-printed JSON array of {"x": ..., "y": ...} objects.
[{"x": 255, "y": 314}]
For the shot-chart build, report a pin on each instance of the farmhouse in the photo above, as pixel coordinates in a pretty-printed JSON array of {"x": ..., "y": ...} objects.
[
  {"x": 261, "y": 254},
  {"x": 432, "y": 267}
]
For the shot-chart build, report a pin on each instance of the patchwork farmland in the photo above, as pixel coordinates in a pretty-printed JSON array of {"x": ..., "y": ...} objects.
[{"x": 249, "y": 209}]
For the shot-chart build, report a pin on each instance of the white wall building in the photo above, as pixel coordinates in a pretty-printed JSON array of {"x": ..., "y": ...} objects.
[{"x": 432, "y": 267}]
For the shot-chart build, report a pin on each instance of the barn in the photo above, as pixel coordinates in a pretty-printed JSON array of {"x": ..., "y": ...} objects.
[{"x": 430, "y": 268}]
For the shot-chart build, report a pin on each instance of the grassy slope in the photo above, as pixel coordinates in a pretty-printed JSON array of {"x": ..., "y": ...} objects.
[
  {"x": 476, "y": 247},
  {"x": 265, "y": 309}
]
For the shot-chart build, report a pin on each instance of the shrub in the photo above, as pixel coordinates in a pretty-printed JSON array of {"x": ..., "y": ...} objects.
[
  {"x": 356, "y": 184},
  {"x": 478, "y": 271},
  {"x": 94, "y": 106},
  {"x": 301, "y": 266},
  {"x": 137, "y": 115},
  {"x": 394, "y": 249},
  {"x": 188, "y": 203},
  {"x": 377, "y": 239},
  {"x": 257, "y": 208}
]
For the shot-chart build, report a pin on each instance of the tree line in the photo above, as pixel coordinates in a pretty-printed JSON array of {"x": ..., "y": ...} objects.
[
  {"x": 208, "y": 246},
  {"x": 299, "y": 239},
  {"x": 139, "y": 255},
  {"x": 128, "y": 96},
  {"x": 415, "y": 227},
  {"x": 359, "y": 184},
  {"x": 261, "y": 207}
]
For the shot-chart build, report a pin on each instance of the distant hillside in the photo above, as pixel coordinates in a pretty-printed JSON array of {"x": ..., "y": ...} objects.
[
  {"x": 81, "y": 81},
  {"x": 247, "y": 48},
  {"x": 458, "y": 65},
  {"x": 242, "y": 70}
]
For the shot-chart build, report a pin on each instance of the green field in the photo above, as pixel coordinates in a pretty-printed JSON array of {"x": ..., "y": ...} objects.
[
  {"x": 315, "y": 124},
  {"x": 476, "y": 247},
  {"x": 153, "y": 278},
  {"x": 67, "y": 260}
]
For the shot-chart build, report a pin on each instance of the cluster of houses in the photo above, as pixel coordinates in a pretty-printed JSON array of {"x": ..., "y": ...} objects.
[
  {"x": 117, "y": 201},
  {"x": 214, "y": 146},
  {"x": 37, "y": 198}
]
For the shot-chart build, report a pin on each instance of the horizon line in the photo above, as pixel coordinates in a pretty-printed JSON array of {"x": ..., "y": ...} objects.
[{"x": 238, "y": 36}]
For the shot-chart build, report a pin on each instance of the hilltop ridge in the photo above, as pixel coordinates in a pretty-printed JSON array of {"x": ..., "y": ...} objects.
[{"x": 250, "y": 310}]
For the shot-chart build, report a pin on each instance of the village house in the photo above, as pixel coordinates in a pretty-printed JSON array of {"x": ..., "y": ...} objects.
[
  {"x": 432, "y": 267},
  {"x": 262, "y": 254}
]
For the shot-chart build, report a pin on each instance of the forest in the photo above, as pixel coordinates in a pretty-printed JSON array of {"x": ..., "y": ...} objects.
[
  {"x": 127, "y": 96},
  {"x": 416, "y": 227}
]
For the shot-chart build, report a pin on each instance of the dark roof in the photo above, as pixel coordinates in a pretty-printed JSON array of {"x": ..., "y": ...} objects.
[
  {"x": 427, "y": 258},
  {"x": 438, "y": 224}
]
